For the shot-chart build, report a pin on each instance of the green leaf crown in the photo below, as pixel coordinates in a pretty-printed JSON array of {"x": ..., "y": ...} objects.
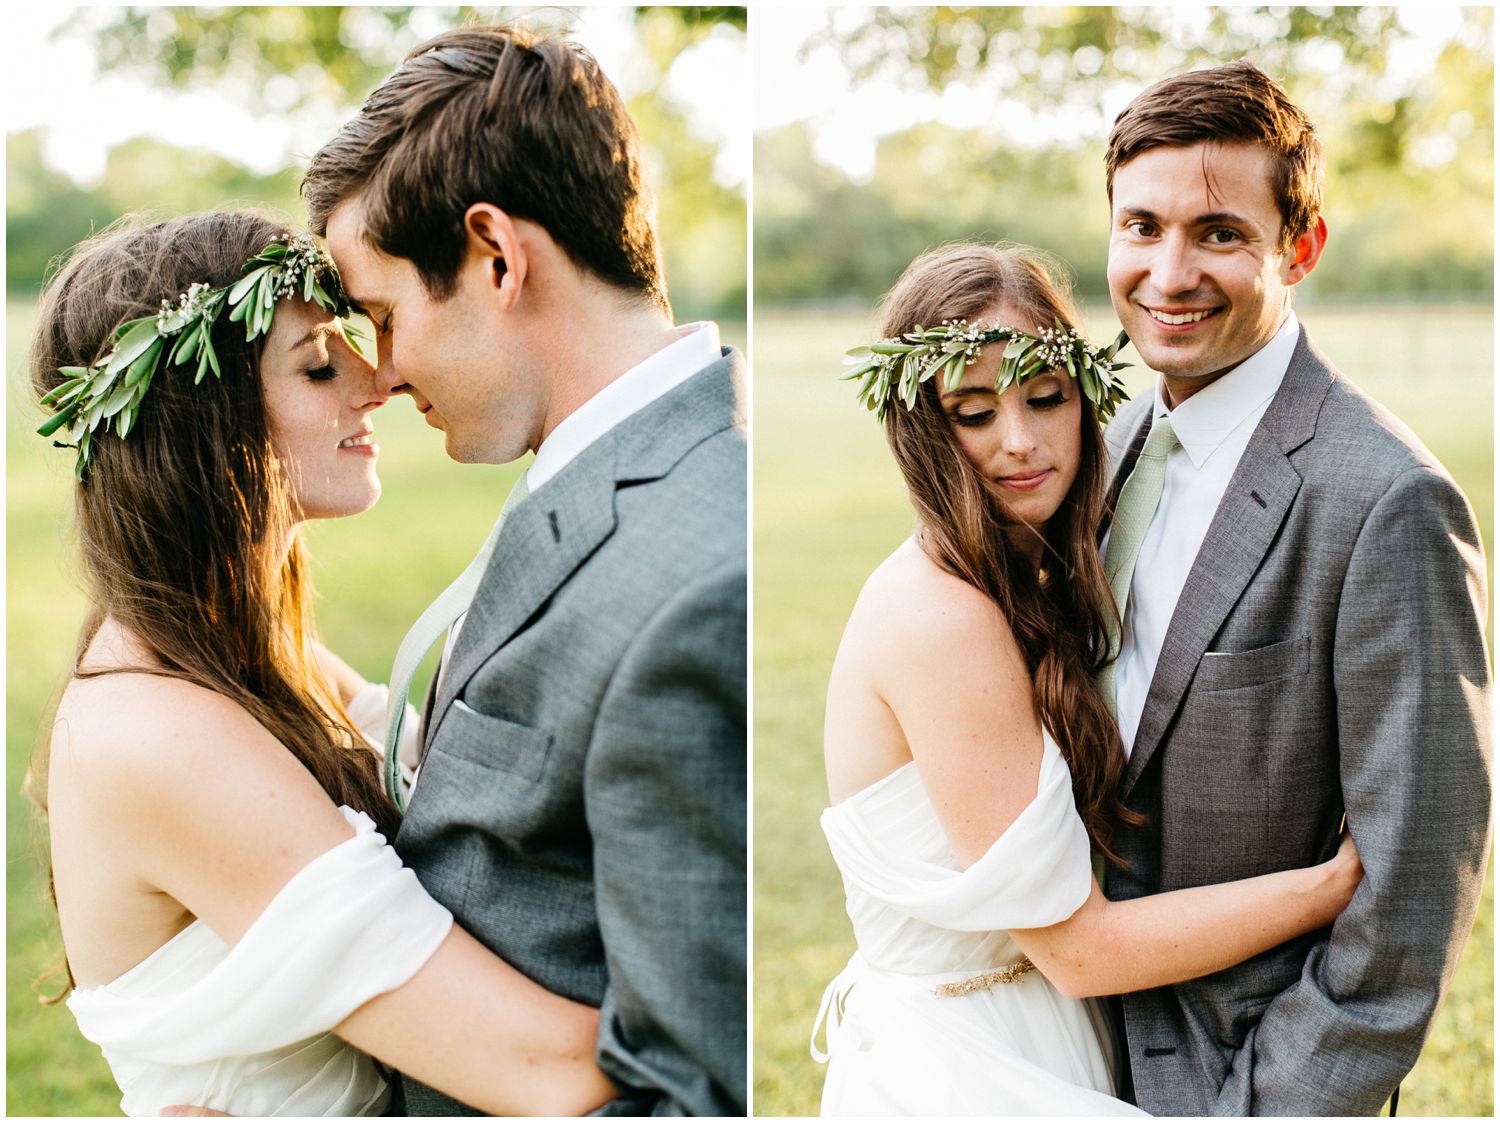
[
  {"x": 893, "y": 369},
  {"x": 110, "y": 392}
]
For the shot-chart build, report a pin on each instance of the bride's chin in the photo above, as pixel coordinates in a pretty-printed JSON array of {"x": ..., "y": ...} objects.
[
  {"x": 369, "y": 500},
  {"x": 342, "y": 507}
]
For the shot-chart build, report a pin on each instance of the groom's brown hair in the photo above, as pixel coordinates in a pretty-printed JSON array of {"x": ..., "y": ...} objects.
[
  {"x": 524, "y": 120},
  {"x": 1237, "y": 103}
]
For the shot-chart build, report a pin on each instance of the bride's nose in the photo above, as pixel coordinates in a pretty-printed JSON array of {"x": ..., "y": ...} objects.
[{"x": 1014, "y": 430}]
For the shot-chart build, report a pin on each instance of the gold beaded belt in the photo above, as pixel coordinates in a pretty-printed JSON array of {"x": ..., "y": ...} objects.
[{"x": 986, "y": 979}]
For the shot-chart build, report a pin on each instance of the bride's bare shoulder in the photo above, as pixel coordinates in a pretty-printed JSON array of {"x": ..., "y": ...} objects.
[
  {"x": 152, "y": 741},
  {"x": 910, "y": 600},
  {"x": 119, "y": 714}
]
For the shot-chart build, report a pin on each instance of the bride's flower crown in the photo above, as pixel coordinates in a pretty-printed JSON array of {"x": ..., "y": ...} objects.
[
  {"x": 110, "y": 392},
  {"x": 892, "y": 369}
]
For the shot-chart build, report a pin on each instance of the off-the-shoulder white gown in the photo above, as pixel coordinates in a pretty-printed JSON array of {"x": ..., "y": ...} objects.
[
  {"x": 244, "y": 1029},
  {"x": 896, "y": 1046}
]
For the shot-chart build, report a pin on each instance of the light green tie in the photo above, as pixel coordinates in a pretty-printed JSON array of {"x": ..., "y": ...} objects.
[
  {"x": 451, "y": 603},
  {"x": 1133, "y": 514}
]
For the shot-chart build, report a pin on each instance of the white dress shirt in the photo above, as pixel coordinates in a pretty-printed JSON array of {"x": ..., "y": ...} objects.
[
  {"x": 696, "y": 346},
  {"x": 1214, "y": 427}
]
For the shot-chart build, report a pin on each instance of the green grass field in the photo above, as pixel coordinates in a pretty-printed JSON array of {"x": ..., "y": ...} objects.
[
  {"x": 829, "y": 505},
  {"x": 374, "y": 573}
]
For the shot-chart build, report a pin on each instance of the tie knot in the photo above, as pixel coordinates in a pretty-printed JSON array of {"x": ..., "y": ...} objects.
[{"x": 1161, "y": 440}]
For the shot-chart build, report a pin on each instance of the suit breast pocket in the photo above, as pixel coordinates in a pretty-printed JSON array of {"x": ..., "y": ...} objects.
[
  {"x": 1235, "y": 670},
  {"x": 492, "y": 742}
]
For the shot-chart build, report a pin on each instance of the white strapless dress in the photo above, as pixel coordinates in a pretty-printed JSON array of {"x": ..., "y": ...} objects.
[
  {"x": 244, "y": 1029},
  {"x": 895, "y": 1046}
]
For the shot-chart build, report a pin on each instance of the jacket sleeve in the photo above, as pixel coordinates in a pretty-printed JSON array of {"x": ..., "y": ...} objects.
[
  {"x": 664, "y": 792},
  {"x": 1412, "y": 680}
]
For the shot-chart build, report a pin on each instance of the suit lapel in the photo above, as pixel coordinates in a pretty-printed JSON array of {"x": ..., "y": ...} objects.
[
  {"x": 543, "y": 541},
  {"x": 1255, "y": 504},
  {"x": 550, "y": 534}
]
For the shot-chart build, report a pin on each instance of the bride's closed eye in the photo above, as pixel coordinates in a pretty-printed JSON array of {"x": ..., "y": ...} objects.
[
  {"x": 325, "y": 373},
  {"x": 975, "y": 419},
  {"x": 1048, "y": 401}
]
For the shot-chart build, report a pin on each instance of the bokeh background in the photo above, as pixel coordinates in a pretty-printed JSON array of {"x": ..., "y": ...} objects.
[
  {"x": 117, "y": 110},
  {"x": 883, "y": 132}
]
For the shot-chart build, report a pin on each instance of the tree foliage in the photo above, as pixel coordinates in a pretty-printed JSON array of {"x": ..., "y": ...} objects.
[
  {"x": 283, "y": 58},
  {"x": 1095, "y": 58},
  {"x": 323, "y": 62},
  {"x": 1410, "y": 161}
]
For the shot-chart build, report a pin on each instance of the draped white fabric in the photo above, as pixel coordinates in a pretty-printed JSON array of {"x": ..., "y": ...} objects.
[
  {"x": 243, "y": 1029},
  {"x": 920, "y": 920}
]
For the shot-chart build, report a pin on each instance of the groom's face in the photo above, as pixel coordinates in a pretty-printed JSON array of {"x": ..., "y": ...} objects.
[
  {"x": 450, "y": 355},
  {"x": 1196, "y": 269}
]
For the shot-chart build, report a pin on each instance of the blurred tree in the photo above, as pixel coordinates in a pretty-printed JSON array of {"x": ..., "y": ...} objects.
[
  {"x": 300, "y": 60},
  {"x": 1410, "y": 161},
  {"x": 282, "y": 58},
  {"x": 1093, "y": 59},
  {"x": 819, "y": 236},
  {"x": 46, "y": 212},
  {"x": 1044, "y": 54},
  {"x": 701, "y": 220}
]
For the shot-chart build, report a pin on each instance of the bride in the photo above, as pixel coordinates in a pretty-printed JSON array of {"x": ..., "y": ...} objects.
[
  {"x": 972, "y": 764},
  {"x": 239, "y": 936}
]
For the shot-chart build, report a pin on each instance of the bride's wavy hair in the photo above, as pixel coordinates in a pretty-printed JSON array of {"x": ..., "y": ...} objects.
[
  {"x": 1060, "y": 621},
  {"x": 182, "y": 525}
]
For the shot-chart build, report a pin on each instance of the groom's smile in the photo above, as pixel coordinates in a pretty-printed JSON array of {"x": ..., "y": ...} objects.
[
  {"x": 1179, "y": 319},
  {"x": 1198, "y": 271}
]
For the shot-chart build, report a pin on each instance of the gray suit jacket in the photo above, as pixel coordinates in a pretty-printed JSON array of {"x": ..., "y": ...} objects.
[
  {"x": 581, "y": 806},
  {"x": 1327, "y": 655}
]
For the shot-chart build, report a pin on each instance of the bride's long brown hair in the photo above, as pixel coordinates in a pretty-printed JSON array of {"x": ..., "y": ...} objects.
[
  {"x": 182, "y": 526},
  {"x": 1059, "y": 622}
]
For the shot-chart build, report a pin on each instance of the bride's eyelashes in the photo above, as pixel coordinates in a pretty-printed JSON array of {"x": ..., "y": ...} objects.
[
  {"x": 325, "y": 373},
  {"x": 976, "y": 418},
  {"x": 1049, "y": 401},
  {"x": 973, "y": 420}
]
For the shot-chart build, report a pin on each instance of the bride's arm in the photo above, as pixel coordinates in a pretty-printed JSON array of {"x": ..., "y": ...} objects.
[
  {"x": 950, "y": 671},
  {"x": 475, "y": 1028},
  {"x": 1114, "y": 947},
  {"x": 216, "y": 814}
]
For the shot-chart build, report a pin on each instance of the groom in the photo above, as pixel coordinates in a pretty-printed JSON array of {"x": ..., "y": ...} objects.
[
  {"x": 581, "y": 801},
  {"x": 1303, "y": 627}
]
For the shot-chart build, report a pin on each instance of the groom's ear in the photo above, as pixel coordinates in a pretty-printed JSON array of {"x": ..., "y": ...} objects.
[
  {"x": 1306, "y": 251},
  {"x": 494, "y": 242}
]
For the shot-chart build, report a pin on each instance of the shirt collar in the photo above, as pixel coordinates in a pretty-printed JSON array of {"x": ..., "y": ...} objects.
[
  {"x": 1205, "y": 420},
  {"x": 696, "y": 346}
]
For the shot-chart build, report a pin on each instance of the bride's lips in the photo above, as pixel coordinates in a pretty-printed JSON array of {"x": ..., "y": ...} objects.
[
  {"x": 360, "y": 444},
  {"x": 1028, "y": 481}
]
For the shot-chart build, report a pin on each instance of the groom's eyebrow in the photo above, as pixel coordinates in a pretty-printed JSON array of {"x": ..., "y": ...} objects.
[
  {"x": 1208, "y": 219},
  {"x": 1220, "y": 217}
]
